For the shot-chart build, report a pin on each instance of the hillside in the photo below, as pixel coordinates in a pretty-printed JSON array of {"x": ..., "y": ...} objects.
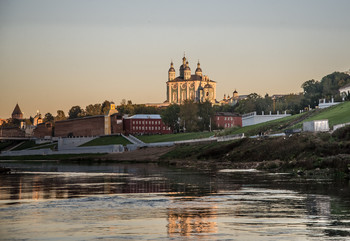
[{"x": 336, "y": 115}]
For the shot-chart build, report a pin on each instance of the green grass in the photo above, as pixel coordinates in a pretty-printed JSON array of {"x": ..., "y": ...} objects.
[
  {"x": 175, "y": 137},
  {"x": 5, "y": 144},
  {"x": 31, "y": 145},
  {"x": 337, "y": 114},
  {"x": 43, "y": 146},
  {"x": 25, "y": 145},
  {"x": 108, "y": 140},
  {"x": 63, "y": 157},
  {"x": 271, "y": 126}
]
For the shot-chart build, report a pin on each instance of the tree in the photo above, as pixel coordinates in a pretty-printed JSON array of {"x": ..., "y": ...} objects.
[
  {"x": 126, "y": 107},
  {"x": 48, "y": 117},
  {"x": 312, "y": 93},
  {"x": 205, "y": 113},
  {"x": 92, "y": 110},
  {"x": 75, "y": 112},
  {"x": 189, "y": 115},
  {"x": 106, "y": 105},
  {"x": 170, "y": 116},
  {"x": 60, "y": 115}
]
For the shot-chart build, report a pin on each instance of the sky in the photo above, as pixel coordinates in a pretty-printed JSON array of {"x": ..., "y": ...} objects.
[{"x": 55, "y": 54}]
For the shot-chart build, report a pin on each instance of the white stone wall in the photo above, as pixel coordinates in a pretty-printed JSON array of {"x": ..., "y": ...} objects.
[
  {"x": 316, "y": 126},
  {"x": 68, "y": 143},
  {"x": 253, "y": 119}
]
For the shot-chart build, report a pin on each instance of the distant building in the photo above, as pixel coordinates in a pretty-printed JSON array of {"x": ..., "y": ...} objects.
[
  {"x": 12, "y": 132},
  {"x": 37, "y": 119},
  {"x": 111, "y": 123},
  {"x": 197, "y": 87},
  {"x": 227, "y": 120},
  {"x": 232, "y": 100},
  {"x": 2, "y": 121},
  {"x": 316, "y": 126},
  {"x": 43, "y": 130},
  {"x": 17, "y": 113},
  {"x": 344, "y": 91},
  {"x": 145, "y": 124}
]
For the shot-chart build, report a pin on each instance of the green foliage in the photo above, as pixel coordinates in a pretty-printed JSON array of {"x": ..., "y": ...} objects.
[
  {"x": 48, "y": 117},
  {"x": 205, "y": 113},
  {"x": 60, "y": 115},
  {"x": 189, "y": 116},
  {"x": 92, "y": 110},
  {"x": 255, "y": 102},
  {"x": 342, "y": 133},
  {"x": 170, "y": 116},
  {"x": 327, "y": 88},
  {"x": 75, "y": 112},
  {"x": 106, "y": 105}
]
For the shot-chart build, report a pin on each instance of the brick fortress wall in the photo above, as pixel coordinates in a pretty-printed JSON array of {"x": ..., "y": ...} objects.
[{"x": 87, "y": 126}]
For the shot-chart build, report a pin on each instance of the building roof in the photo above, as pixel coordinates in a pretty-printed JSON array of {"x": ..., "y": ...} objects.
[
  {"x": 145, "y": 116},
  {"x": 345, "y": 86},
  {"x": 226, "y": 114},
  {"x": 193, "y": 77},
  {"x": 17, "y": 110}
]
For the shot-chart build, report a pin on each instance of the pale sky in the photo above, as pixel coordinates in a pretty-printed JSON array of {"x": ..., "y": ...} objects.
[{"x": 55, "y": 54}]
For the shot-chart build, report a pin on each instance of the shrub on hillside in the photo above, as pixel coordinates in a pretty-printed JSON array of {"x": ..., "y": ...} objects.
[{"x": 342, "y": 133}]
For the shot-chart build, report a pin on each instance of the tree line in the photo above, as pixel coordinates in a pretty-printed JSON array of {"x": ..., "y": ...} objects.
[{"x": 193, "y": 116}]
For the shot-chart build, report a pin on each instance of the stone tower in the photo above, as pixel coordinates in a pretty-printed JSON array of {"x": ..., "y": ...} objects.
[
  {"x": 17, "y": 113},
  {"x": 171, "y": 72}
]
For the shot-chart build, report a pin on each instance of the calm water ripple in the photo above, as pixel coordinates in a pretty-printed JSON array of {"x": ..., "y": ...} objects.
[{"x": 60, "y": 201}]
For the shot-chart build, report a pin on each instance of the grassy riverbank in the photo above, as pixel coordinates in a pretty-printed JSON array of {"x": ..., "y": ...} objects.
[{"x": 302, "y": 153}]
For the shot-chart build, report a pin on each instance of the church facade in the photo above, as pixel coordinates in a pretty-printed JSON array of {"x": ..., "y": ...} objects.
[{"x": 187, "y": 86}]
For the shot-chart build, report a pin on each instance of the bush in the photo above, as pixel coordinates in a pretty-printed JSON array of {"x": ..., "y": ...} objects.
[{"x": 342, "y": 133}]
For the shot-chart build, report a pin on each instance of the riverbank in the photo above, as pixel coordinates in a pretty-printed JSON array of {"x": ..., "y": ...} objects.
[{"x": 302, "y": 154}]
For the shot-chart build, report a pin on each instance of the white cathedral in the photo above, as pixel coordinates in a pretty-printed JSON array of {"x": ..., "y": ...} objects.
[{"x": 197, "y": 87}]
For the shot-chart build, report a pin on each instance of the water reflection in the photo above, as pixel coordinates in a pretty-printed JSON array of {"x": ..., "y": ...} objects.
[
  {"x": 188, "y": 220},
  {"x": 115, "y": 201}
]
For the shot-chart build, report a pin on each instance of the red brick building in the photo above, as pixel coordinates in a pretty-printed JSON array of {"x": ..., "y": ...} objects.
[
  {"x": 12, "y": 132},
  {"x": 42, "y": 130},
  {"x": 88, "y": 126},
  {"x": 227, "y": 120},
  {"x": 145, "y": 124}
]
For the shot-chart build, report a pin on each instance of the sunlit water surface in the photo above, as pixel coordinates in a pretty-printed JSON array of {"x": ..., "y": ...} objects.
[{"x": 60, "y": 201}]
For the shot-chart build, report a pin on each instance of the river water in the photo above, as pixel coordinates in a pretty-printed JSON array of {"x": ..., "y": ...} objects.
[{"x": 110, "y": 201}]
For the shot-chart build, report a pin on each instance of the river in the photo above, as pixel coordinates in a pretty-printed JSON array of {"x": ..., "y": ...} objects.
[{"x": 111, "y": 201}]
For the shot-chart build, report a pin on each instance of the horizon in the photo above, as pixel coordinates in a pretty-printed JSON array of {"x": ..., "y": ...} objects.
[{"x": 58, "y": 54}]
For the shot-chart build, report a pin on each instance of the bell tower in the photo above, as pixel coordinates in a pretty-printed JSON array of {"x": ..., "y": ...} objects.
[{"x": 171, "y": 72}]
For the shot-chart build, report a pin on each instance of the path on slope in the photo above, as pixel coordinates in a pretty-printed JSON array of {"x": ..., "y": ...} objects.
[{"x": 142, "y": 154}]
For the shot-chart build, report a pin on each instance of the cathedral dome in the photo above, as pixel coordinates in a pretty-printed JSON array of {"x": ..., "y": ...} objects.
[
  {"x": 171, "y": 67},
  {"x": 198, "y": 70},
  {"x": 187, "y": 67}
]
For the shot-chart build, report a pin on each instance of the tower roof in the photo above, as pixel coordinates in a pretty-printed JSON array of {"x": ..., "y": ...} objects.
[
  {"x": 17, "y": 110},
  {"x": 171, "y": 69},
  {"x": 198, "y": 67}
]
